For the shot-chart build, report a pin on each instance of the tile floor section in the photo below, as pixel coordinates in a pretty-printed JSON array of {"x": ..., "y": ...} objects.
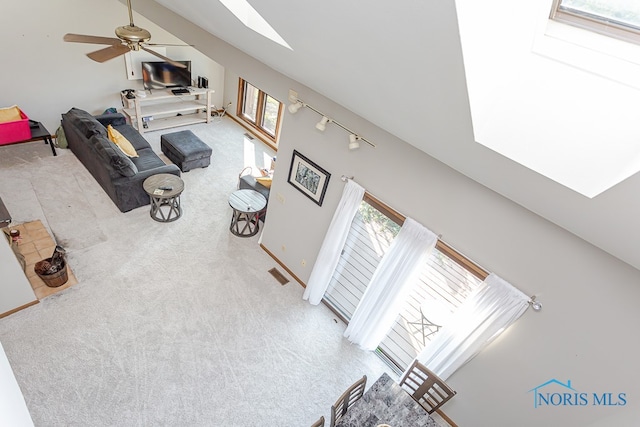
[{"x": 36, "y": 244}]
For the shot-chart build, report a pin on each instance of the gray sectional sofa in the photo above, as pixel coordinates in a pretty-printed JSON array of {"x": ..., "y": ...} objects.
[{"x": 121, "y": 177}]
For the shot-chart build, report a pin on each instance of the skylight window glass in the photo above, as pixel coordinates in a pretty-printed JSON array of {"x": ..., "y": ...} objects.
[
  {"x": 622, "y": 12},
  {"x": 250, "y": 17},
  {"x": 615, "y": 18}
]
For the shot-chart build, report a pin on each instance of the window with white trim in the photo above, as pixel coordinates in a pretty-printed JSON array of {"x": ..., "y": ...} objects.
[
  {"x": 446, "y": 280},
  {"x": 614, "y": 18}
]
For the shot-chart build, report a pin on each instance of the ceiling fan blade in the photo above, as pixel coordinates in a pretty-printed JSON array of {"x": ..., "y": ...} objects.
[
  {"x": 108, "y": 53},
  {"x": 81, "y": 38},
  {"x": 170, "y": 61}
]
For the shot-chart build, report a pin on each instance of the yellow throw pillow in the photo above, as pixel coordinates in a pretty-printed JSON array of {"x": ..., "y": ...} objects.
[
  {"x": 264, "y": 180},
  {"x": 122, "y": 142},
  {"x": 10, "y": 114}
]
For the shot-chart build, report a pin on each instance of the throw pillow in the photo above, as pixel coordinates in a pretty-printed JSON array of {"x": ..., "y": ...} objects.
[
  {"x": 10, "y": 114},
  {"x": 122, "y": 142},
  {"x": 264, "y": 180}
]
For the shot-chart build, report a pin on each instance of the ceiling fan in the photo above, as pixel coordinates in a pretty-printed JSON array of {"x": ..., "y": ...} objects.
[{"x": 130, "y": 38}]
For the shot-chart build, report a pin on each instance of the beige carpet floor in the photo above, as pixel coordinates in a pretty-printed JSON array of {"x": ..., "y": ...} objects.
[{"x": 177, "y": 324}]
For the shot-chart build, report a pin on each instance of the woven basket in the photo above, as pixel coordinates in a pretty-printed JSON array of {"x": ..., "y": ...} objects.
[{"x": 53, "y": 280}]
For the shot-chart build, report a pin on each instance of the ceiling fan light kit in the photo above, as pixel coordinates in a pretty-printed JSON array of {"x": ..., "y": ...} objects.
[{"x": 129, "y": 38}]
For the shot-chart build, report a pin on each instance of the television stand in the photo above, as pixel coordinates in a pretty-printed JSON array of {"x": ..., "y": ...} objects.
[
  {"x": 163, "y": 109},
  {"x": 180, "y": 91}
]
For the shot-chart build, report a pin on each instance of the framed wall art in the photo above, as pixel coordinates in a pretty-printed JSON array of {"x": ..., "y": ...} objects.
[{"x": 309, "y": 178}]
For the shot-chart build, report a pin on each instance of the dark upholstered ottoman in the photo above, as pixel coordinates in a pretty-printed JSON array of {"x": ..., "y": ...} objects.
[{"x": 186, "y": 150}]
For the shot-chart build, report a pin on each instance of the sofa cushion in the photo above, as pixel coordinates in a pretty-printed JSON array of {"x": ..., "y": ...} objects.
[
  {"x": 111, "y": 154},
  {"x": 147, "y": 159},
  {"x": 133, "y": 136},
  {"x": 86, "y": 123}
]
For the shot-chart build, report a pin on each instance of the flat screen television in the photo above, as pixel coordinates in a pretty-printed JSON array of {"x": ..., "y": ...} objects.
[{"x": 160, "y": 75}]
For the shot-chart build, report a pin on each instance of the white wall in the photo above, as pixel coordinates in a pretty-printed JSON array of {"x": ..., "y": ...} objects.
[
  {"x": 46, "y": 76},
  {"x": 15, "y": 289},
  {"x": 586, "y": 331},
  {"x": 13, "y": 409}
]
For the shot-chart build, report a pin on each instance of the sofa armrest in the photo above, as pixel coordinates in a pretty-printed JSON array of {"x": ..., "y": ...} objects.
[
  {"x": 113, "y": 119},
  {"x": 129, "y": 192},
  {"x": 142, "y": 175}
]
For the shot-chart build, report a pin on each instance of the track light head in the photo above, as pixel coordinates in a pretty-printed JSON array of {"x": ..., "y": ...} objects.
[
  {"x": 322, "y": 124},
  {"x": 535, "y": 305},
  {"x": 293, "y": 108},
  {"x": 353, "y": 142},
  {"x": 295, "y": 105}
]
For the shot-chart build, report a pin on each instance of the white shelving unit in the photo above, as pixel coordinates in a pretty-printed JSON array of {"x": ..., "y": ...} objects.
[{"x": 162, "y": 109}]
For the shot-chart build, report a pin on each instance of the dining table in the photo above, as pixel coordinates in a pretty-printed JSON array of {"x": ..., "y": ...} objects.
[{"x": 385, "y": 402}]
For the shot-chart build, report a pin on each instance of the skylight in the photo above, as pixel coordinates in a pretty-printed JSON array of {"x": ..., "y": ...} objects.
[
  {"x": 616, "y": 18},
  {"x": 564, "y": 110},
  {"x": 252, "y": 19}
]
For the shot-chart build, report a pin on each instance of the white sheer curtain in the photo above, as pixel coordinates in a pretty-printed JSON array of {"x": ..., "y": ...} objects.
[
  {"x": 333, "y": 243},
  {"x": 397, "y": 272},
  {"x": 484, "y": 315}
]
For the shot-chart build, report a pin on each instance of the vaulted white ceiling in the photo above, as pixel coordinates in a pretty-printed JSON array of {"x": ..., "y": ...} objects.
[{"x": 401, "y": 66}]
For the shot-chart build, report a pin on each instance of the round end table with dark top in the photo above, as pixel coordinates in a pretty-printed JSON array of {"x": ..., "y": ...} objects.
[
  {"x": 164, "y": 190},
  {"x": 246, "y": 205}
]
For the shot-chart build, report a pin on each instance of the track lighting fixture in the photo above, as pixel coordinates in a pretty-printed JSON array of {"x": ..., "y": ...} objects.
[
  {"x": 353, "y": 142},
  {"x": 296, "y": 104},
  {"x": 293, "y": 108},
  {"x": 322, "y": 124}
]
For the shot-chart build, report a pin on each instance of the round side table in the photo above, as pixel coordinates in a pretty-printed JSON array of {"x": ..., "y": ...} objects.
[
  {"x": 246, "y": 205},
  {"x": 164, "y": 190}
]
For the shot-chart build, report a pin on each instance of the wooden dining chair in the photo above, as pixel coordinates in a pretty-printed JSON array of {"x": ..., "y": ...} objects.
[
  {"x": 348, "y": 398},
  {"x": 425, "y": 387},
  {"x": 319, "y": 423}
]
